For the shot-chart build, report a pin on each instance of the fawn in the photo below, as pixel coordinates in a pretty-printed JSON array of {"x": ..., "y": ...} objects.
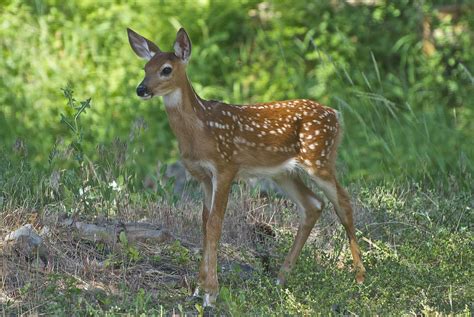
[{"x": 219, "y": 142}]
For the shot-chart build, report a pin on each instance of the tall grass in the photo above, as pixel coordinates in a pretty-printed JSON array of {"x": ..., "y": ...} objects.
[
  {"x": 407, "y": 115},
  {"x": 386, "y": 139}
]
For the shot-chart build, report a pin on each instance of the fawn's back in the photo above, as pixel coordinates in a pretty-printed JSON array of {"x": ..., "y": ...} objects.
[{"x": 292, "y": 132}]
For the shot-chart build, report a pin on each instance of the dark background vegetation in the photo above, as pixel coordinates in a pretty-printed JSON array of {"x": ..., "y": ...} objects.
[{"x": 401, "y": 72}]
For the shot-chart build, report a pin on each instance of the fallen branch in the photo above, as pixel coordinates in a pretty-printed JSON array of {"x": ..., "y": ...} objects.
[
  {"x": 136, "y": 231},
  {"x": 28, "y": 242},
  {"x": 142, "y": 232}
]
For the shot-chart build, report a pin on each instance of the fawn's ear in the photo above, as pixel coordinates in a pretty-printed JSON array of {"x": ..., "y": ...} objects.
[
  {"x": 143, "y": 47},
  {"x": 182, "y": 46}
]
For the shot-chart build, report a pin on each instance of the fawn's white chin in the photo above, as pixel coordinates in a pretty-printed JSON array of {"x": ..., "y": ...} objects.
[{"x": 146, "y": 97}]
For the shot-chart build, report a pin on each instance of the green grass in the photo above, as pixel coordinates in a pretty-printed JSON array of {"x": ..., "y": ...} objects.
[{"x": 417, "y": 260}]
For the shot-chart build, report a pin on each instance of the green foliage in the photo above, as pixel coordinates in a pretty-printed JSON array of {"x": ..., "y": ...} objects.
[
  {"x": 132, "y": 253},
  {"x": 70, "y": 177},
  {"x": 73, "y": 124},
  {"x": 407, "y": 113},
  {"x": 179, "y": 254}
]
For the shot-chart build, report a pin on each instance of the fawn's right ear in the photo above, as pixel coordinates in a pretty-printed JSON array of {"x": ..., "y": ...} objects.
[{"x": 143, "y": 47}]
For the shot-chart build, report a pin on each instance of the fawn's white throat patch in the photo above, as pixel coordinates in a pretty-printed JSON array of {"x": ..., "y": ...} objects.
[{"x": 173, "y": 99}]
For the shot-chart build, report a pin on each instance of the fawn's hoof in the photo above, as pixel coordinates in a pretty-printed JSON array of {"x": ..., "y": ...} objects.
[
  {"x": 194, "y": 297},
  {"x": 196, "y": 292},
  {"x": 209, "y": 300},
  {"x": 280, "y": 281},
  {"x": 281, "y": 278}
]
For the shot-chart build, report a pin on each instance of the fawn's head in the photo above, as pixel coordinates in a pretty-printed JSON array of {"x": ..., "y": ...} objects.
[{"x": 163, "y": 70}]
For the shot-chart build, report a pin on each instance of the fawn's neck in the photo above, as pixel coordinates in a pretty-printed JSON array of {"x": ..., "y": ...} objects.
[
  {"x": 184, "y": 100},
  {"x": 185, "y": 111}
]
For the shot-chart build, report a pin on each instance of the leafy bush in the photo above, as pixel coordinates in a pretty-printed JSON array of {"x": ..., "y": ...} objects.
[{"x": 407, "y": 113}]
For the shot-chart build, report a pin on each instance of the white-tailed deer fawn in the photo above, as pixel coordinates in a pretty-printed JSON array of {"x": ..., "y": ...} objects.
[{"x": 219, "y": 142}]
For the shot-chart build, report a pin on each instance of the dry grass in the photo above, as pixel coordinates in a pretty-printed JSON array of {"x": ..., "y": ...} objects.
[
  {"x": 404, "y": 235},
  {"x": 164, "y": 271}
]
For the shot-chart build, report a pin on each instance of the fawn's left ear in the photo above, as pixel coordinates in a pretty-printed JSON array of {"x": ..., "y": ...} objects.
[{"x": 182, "y": 46}]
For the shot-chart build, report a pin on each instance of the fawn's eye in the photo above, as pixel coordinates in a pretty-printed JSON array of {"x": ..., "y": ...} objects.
[{"x": 166, "y": 71}]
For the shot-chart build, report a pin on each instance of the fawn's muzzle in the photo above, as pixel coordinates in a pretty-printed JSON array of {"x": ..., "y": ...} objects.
[{"x": 142, "y": 91}]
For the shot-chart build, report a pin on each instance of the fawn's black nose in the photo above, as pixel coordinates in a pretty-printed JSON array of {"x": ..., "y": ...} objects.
[{"x": 142, "y": 90}]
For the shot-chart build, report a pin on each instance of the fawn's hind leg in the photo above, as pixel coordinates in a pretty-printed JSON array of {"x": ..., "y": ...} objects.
[
  {"x": 339, "y": 197},
  {"x": 310, "y": 206}
]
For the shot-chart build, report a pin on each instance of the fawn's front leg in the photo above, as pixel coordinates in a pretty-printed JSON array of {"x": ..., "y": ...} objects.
[
  {"x": 206, "y": 184},
  {"x": 221, "y": 185}
]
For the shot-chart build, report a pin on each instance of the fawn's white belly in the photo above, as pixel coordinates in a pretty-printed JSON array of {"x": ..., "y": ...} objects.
[
  {"x": 248, "y": 171},
  {"x": 268, "y": 171}
]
